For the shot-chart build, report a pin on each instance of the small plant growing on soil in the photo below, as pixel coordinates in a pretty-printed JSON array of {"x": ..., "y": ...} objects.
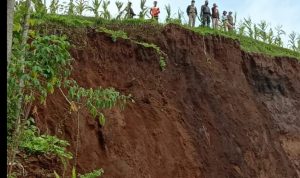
[
  {"x": 33, "y": 143},
  {"x": 114, "y": 34},
  {"x": 162, "y": 63},
  {"x": 94, "y": 100},
  {"x": 94, "y": 174},
  {"x": 161, "y": 54}
]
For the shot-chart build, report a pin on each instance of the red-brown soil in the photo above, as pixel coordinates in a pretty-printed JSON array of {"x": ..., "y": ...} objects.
[{"x": 215, "y": 112}]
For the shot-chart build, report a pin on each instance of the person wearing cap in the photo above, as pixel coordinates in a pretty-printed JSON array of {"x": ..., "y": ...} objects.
[
  {"x": 205, "y": 14},
  {"x": 230, "y": 23},
  {"x": 225, "y": 21},
  {"x": 215, "y": 16},
  {"x": 192, "y": 13},
  {"x": 154, "y": 11},
  {"x": 130, "y": 12}
]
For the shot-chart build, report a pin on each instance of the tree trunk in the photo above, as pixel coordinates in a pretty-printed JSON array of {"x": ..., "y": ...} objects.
[
  {"x": 10, "y": 22},
  {"x": 20, "y": 113}
]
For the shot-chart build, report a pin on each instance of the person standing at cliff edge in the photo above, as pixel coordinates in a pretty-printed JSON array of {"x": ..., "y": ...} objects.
[
  {"x": 192, "y": 13},
  {"x": 129, "y": 10},
  {"x": 154, "y": 11},
  {"x": 215, "y": 16},
  {"x": 205, "y": 14}
]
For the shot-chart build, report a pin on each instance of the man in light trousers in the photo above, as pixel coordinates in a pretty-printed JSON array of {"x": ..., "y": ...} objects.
[{"x": 192, "y": 13}]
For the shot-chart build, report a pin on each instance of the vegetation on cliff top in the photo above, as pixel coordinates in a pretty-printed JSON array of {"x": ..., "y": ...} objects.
[{"x": 247, "y": 43}]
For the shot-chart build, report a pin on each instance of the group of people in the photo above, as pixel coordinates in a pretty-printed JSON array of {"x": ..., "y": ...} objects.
[
  {"x": 207, "y": 14},
  {"x": 154, "y": 11}
]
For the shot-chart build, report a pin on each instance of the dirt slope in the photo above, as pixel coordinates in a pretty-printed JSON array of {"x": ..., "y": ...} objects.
[{"x": 215, "y": 112}]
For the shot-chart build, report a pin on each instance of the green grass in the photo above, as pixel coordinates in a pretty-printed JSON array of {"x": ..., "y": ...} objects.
[
  {"x": 247, "y": 44},
  {"x": 250, "y": 45}
]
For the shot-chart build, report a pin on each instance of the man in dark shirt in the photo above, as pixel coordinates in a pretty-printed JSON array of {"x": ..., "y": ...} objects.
[
  {"x": 130, "y": 12},
  {"x": 205, "y": 14},
  {"x": 215, "y": 16}
]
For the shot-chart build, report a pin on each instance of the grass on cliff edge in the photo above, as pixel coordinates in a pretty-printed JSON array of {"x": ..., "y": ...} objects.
[{"x": 247, "y": 44}]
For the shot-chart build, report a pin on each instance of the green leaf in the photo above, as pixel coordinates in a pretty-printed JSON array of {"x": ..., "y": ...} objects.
[
  {"x": 101, "y": 119},
  {"x": 73, "y": 172},
  {"x": 17, "y": 27},
  {"x": 56, "y": 175}
]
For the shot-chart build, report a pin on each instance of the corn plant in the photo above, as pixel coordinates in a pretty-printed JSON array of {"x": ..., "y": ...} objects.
[
  {"x": 248, "y": 25},
  {"x": 168, "y": 10},
  {"x": 144, "y": 9},
  {"x": 180, "y": 15},
  {"x": 262, "y": 26},
  {"x": 241, "y": 29},
  {"x": 292, "y": 42},
  {"x": 95, "y": 7},
  {"x": 298, "y": 43},
  {"x": 81, "y": 6},
  {"x": 270, "y": 36},
  {"x": 279, "y": 32},
  {"x": 119, "y": 5},
  {"x": 54, "y": 6},
  {"x": 105, "y": 13},
  {"x": 71, "y": 8},
  {"x": 256, "y": 32},
  {"x": 39, "y": 7}
]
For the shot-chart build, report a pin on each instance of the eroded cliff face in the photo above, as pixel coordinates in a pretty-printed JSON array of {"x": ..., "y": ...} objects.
[
  {"x": 276, "y": 83},
  {"x": 215, "y": 112}
]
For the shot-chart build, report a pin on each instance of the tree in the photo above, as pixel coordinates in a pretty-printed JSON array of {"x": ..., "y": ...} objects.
[
  {"x": 19, "y": 113},
  {"x": 10, "y": 22}
]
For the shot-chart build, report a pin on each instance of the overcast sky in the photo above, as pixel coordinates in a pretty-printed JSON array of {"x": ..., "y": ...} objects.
[{"x": 275, "y": 12}]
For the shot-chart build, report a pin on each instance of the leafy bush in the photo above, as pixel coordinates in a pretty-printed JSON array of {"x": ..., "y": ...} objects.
[
  {"x": 33, "y": 143},
  {"x": 95, "y": 100}
]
